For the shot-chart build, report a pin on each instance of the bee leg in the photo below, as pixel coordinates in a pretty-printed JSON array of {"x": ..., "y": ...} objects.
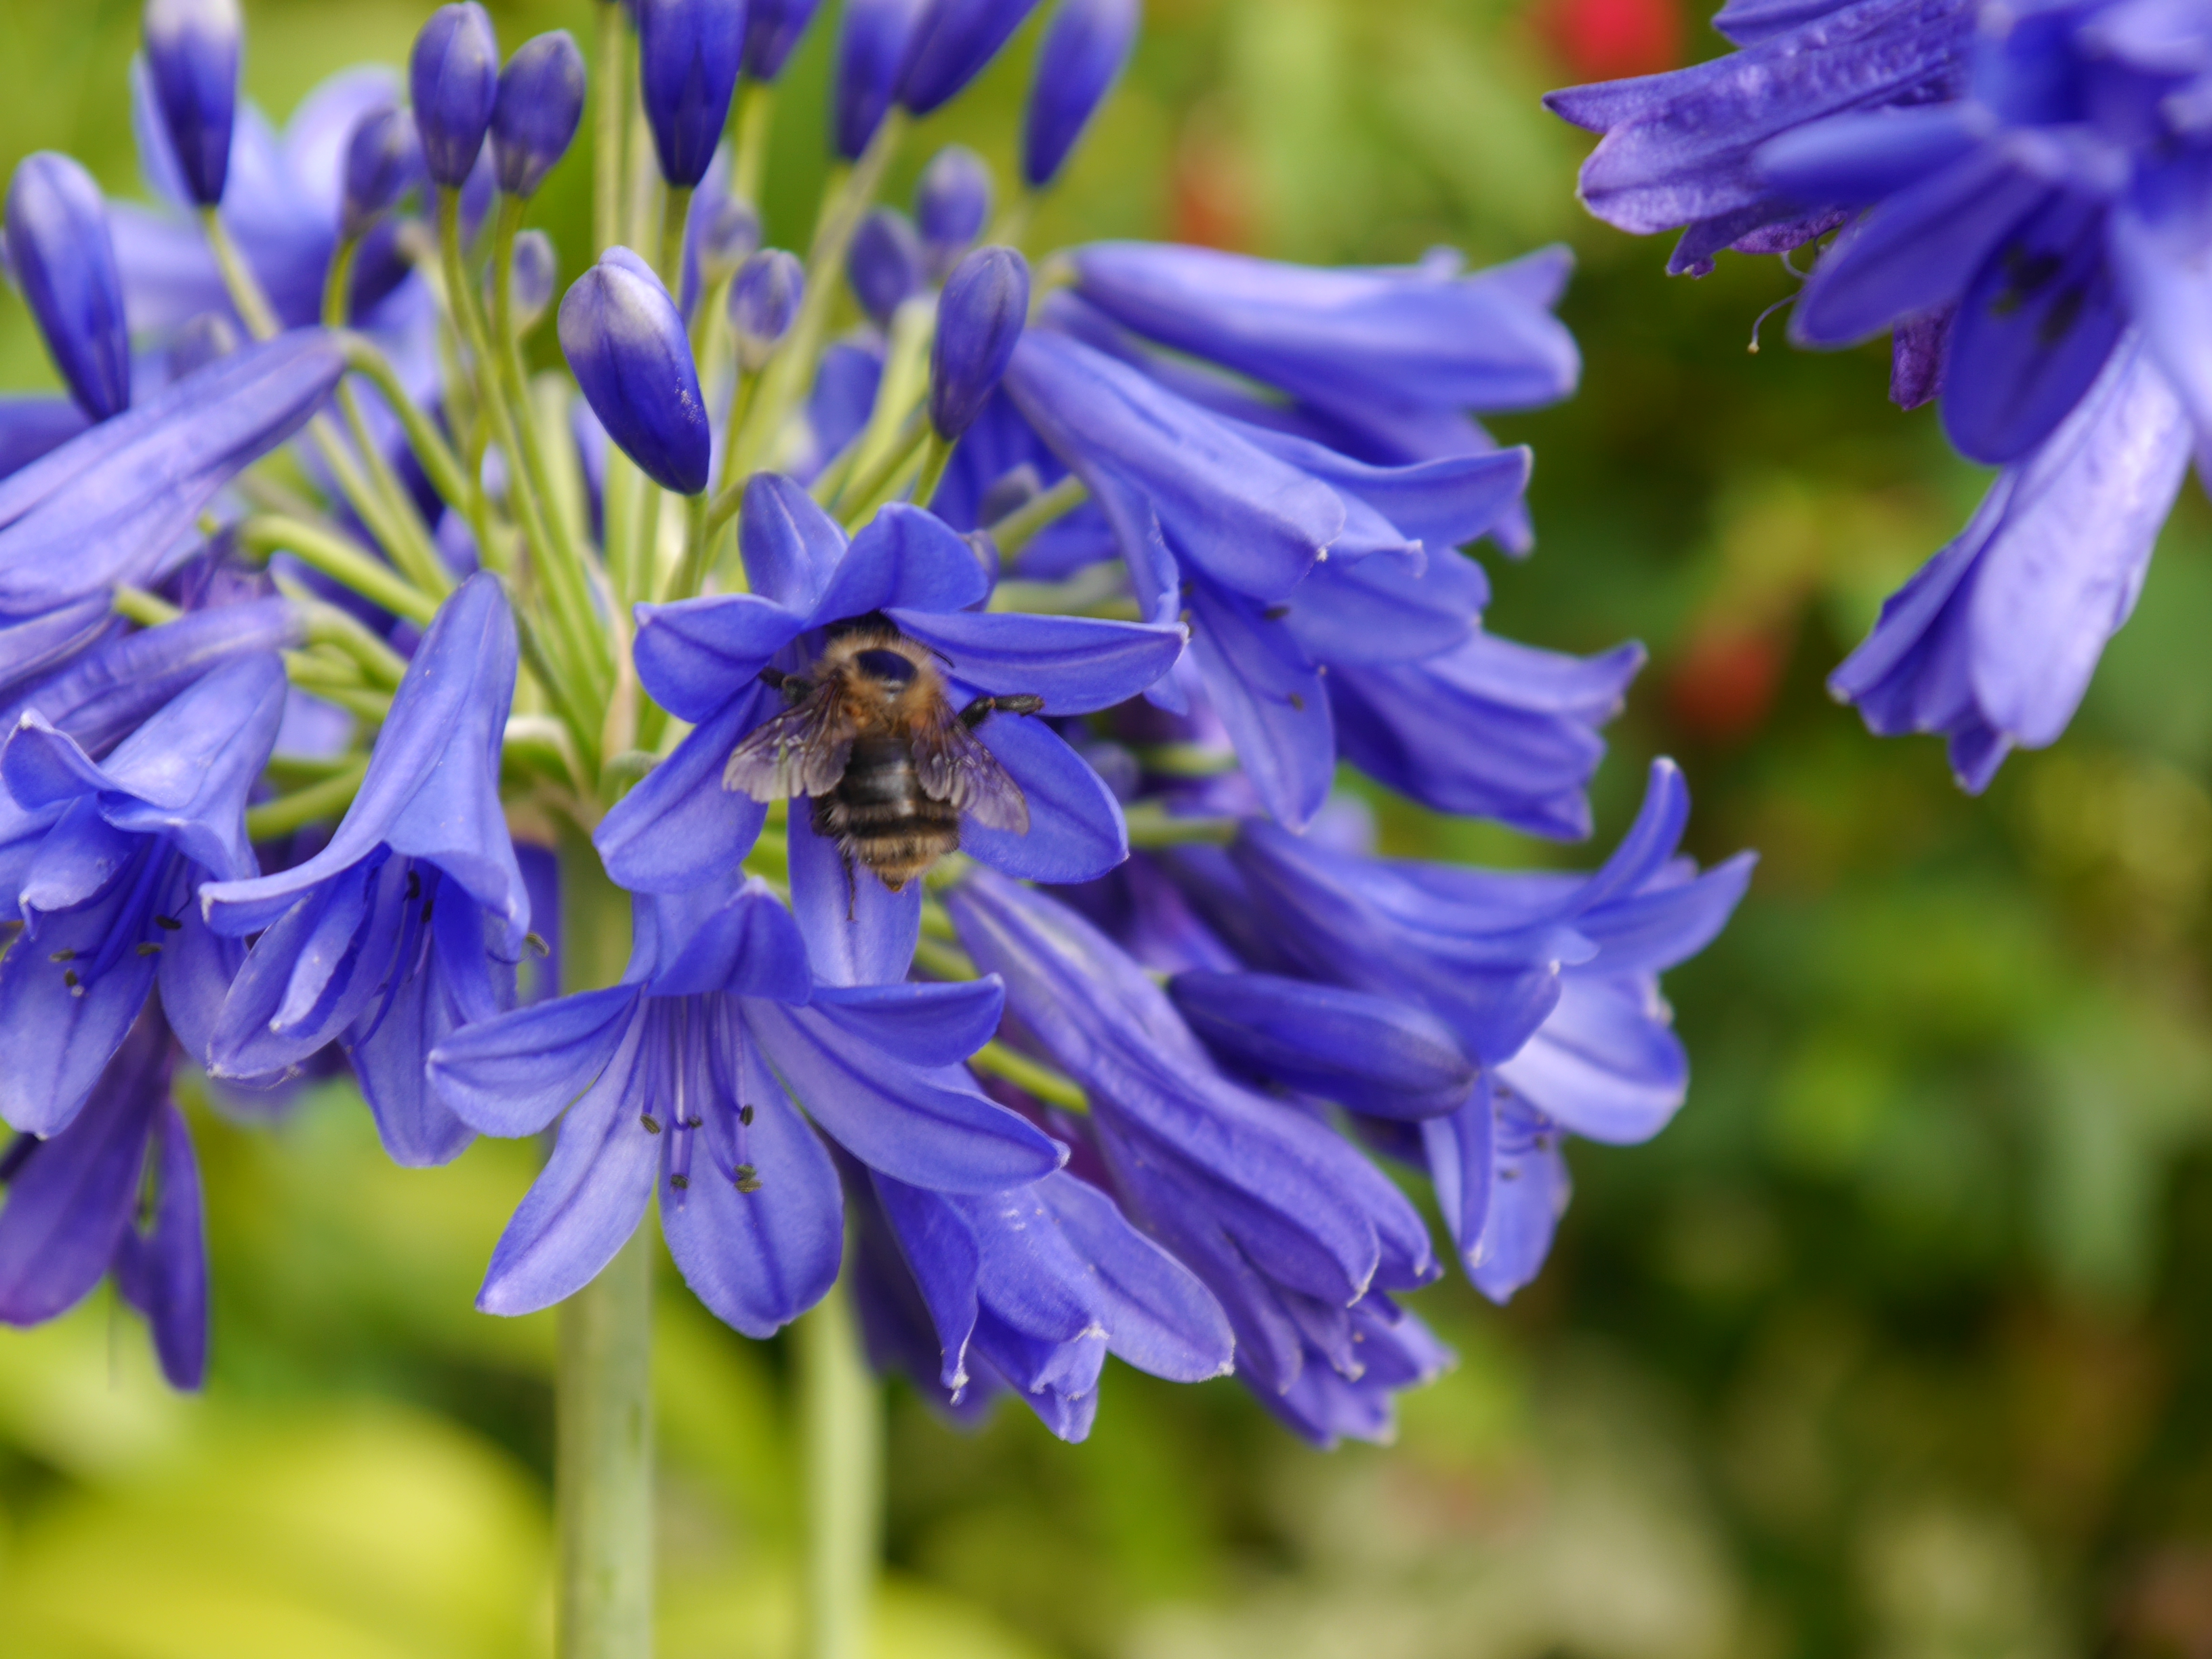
[
  {"x": 852, "y": 883},
  {"x": 981, "y": 710}
]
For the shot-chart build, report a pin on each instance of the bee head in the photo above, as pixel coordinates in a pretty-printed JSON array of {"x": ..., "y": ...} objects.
[{"x": 893, "y": 667}]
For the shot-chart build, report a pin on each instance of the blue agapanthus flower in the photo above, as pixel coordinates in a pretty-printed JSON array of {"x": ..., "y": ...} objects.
[
  {"x": 116, "y": 1193},
  {"x": 2022, "y": 198},
  {"x": 322, "y": 623}
]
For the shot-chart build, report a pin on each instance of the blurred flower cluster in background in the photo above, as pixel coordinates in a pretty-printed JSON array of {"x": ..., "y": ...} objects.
[{"x": 1887, "y": 1345}]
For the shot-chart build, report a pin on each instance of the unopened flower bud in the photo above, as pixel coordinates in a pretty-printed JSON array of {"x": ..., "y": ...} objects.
[
  {"x": 980, "y": 318},
  {"x": 773, "y": 29},
  {"x": 625, "y": 341},
  {"x": 688, "y": 52},
  {"x": 869, "y": 48},
  {"x": 530, "y": 284},
  {"x": 1086, "y": 47},
  {"x": 192, "y": 49},
  {"x": 951, "y": 204},
  {"x": 64, "y": 260},
  {"x": 201, "y": 340},
  {"x": 884, "y": 264},
  {"x": 764, "y": 298},
  {"x": 535, "y": 115},
  {"x": 951, "y": 45},
  {"x": 383, "y": 163},
  {"x": 729, "y": 233},
  {"x": 454, "y": 77}
]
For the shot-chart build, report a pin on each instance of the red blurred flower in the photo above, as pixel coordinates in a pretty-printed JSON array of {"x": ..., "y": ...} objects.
[{"x": 1606, "y": 39}]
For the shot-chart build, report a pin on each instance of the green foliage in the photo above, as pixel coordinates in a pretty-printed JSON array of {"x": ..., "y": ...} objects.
[{"x": 1898, "y": 1341}]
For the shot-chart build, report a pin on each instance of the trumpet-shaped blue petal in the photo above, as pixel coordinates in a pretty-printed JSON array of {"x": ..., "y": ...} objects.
[
  {"x": 514, "y": 1075},
  {"x": 1250, "y": 521},
  {"x": 1414, "y": 337},
  {"x": 1372, "y": 1053},
  {"x": 119, "y": 504},
  {"x": 590, "y": 1198},
  {"x": 757, "y": 1254},
  {"x": 1993, "y": 643},
  {"x": 432, "y": 788},
  {"x": 1078, "y": 665},
  {"x": 1076, "y": 833},
  {"x": 928, "y": 1129}
]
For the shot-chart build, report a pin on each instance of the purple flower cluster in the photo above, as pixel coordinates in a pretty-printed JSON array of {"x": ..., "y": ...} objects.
[
  {"x": 2022, "y": 196},
  {"x": 865, "y": 748}
]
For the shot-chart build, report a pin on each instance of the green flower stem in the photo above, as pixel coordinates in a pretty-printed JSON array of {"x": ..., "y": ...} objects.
[
  {"x": 755, "y": 118},
  {"x": 1041, "y": 1080},
  {"x": 565, "y": 574},
  {"x": 698, "y": 542},
  {"x": 936, "y": 456},
  {"x": 342, "y": 631},
  {"x": 1026, "y": 523},
  {"x": 791, "y": 371},
  {"x": 147, "y": 609},
  {"x": 603, "y": 1401},
  {"x": 894, "y": 430},
  {"x": 237, "y": 278},
  {"x": 314, "y": 805},
  {"x": 608, "y": 88},
  {"x": 375, "y": 508},
  {"x": 430, "y": 445},
  {"x": 675, "y": 212},
  {"x": 1012, "y": 222},
  {"x": 411, "y": 548},
  {"x": 341, "y": 558},
  {"x": 859, "y": 499},
  {"x": 841, "y": 1418},
  {"x": 1151, "y": 825}
]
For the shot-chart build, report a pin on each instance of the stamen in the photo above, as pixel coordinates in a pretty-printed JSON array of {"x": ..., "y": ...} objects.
[
  {"x": 745, "y": 1116},
  {"x": 148, "y": 948},
  {"x": 747, "y": 1179},
  {"x": 652, "y": 1125},
  {"x": 1760, "y": 322},
  {"x": 168, "y": 924}
]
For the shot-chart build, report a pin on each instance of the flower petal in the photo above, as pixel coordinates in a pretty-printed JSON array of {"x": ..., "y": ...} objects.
[
  {"x": 695, "y": 655},
  {"x": 588, "y": 1201},
  {"x": 761, "y": 1254},
  {"x": 1078, "y": 665},
  {"x": 929, "y": 1129},
  {"x": 858, "y": 931},
  {"x": 1076, "y": 833},
  {"x": 903, "y": 558},
  {"x": 679, "y": 829},
  {"x": 513, "y": 1074}
]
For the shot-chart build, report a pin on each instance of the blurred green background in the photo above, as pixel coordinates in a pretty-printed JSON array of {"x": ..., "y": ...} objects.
[{"x": 1898, "y": 1343}]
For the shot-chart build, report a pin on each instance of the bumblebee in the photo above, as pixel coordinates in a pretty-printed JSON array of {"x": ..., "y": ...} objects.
[{"x": 871, "y": 736}]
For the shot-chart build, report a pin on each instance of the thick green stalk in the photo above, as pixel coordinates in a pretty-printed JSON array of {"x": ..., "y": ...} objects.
[
  {"x": 610, "y": 120},
  {"x": 603, "y": 1466},
  {"x": 840, "y": 1422},
  {"x": 756, "y": 118},
  {"x": 341, "y": 558}
]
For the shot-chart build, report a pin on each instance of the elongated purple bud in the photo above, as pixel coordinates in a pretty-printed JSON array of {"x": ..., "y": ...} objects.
[
  {"x": 536, "y": 273},
  {"x": 952, "y": 46},
  {"x": 869, "y": 51},
  {"x": 727, "y": 233},
  {"x": 764, "y": 298},
  {"x": 1086, "y": 47},
  {"x": 64, "y": 262},
  {"x": 454, "y": 77},
  {"x": 192, "y": 49},
  {"x": 535, "y": 115},
  {"x": 688, "y": 54},
  {"x": 952, "y": 205},
  {"x": 884, "y": 264},
  {"x": 980, "y": 318},
  {"x": 384, "y": 162},
  {"x": 625, "y": 341},
  {"x": 773, "y": 30}
]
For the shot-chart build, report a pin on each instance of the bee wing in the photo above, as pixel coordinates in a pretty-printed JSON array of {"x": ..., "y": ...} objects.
[
  {"x": 954, "y": 766},
  {"x": 801, "y": 751}
]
